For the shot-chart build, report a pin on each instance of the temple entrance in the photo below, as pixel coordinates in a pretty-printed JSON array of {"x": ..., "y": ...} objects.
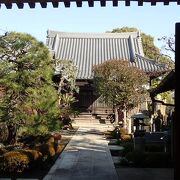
[{"x": 85, "y": 100}]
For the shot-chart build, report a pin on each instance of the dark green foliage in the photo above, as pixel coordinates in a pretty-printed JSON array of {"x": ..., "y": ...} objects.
[{"x": 26, "y": 71}]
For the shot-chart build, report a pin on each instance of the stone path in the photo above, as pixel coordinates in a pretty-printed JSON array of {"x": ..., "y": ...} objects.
[{"x": 86, "y": 157}]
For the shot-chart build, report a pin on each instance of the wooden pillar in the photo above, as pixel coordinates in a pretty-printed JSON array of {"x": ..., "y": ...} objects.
[
  {"x": 152, "y": 97},
  {"x": 176, "y": 124},
  {"x": 152, "y": 105}
]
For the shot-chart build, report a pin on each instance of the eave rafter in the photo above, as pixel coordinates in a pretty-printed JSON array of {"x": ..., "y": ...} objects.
[{"x": 67, "y": 3}]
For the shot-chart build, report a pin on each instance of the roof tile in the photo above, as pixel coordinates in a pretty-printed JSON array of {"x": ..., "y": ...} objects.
[{"x": 89, "y": 49}]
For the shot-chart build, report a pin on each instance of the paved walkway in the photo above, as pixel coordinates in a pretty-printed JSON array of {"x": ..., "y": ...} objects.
[{"x": 86, "y": 157}]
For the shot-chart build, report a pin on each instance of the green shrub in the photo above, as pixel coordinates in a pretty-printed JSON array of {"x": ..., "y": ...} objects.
[
  {"x": 42, "y": 129},
  {"x": 38, "y": 130},
  {"x": 54, "y": 125}
]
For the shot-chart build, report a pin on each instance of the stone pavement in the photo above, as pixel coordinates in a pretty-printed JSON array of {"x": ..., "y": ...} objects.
[{"x": 86, "y": 157}]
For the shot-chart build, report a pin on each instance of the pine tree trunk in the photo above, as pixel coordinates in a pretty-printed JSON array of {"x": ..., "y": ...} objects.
[{"x": 12, "y": 132}]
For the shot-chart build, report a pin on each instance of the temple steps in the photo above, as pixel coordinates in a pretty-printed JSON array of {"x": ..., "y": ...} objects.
[{"x": 87, "y": 119}]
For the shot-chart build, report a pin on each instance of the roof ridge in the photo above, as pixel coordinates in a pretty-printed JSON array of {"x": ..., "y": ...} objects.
[
  {"x": 52, "y": 33},
  {"x": 152, "y": 60}
]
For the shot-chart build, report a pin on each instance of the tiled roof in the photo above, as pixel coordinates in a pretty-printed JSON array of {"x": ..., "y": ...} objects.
[
  {"x": 149, "y": 65},
  {"x": 89, "y": 49},
  {"x": 167, "y": 84},
  {"x": 67, "y": 3}
]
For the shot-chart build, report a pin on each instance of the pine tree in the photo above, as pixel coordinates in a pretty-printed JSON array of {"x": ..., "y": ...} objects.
[{"x": 26, "y": 79}]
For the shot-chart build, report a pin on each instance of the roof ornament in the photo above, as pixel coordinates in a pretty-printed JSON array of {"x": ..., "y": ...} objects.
[
  {"x": 55, "y": 44},
  {"x": 132, "y": 49},
  {"x": 139, "y": 34}
]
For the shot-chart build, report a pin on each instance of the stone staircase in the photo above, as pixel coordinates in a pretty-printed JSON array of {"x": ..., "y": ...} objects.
[{"x": 88, "y": 119}]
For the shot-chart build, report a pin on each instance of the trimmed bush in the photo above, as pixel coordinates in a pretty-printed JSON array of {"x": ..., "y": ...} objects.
[
  {"x": 47, "y": 150},
  {"x": 57, "y": 136},
  {"x": 123, "y": 131},
  {"x": 50, "y": 140},
  {"x": 14, "y": 161},
  {"x": 34, "y": 140},
  {"x": 32, "y": 154},
  {"x": 18, "y": 161},
  {"x": 126, "y": 138},
  {"x": 59, "y": 148}
]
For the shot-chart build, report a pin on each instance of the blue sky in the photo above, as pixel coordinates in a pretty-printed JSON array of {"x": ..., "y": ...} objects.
[{"x": 156, "y": 20}]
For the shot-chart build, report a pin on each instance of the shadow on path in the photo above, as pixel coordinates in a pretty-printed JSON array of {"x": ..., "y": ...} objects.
[{"x": 86, "y": 157}]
